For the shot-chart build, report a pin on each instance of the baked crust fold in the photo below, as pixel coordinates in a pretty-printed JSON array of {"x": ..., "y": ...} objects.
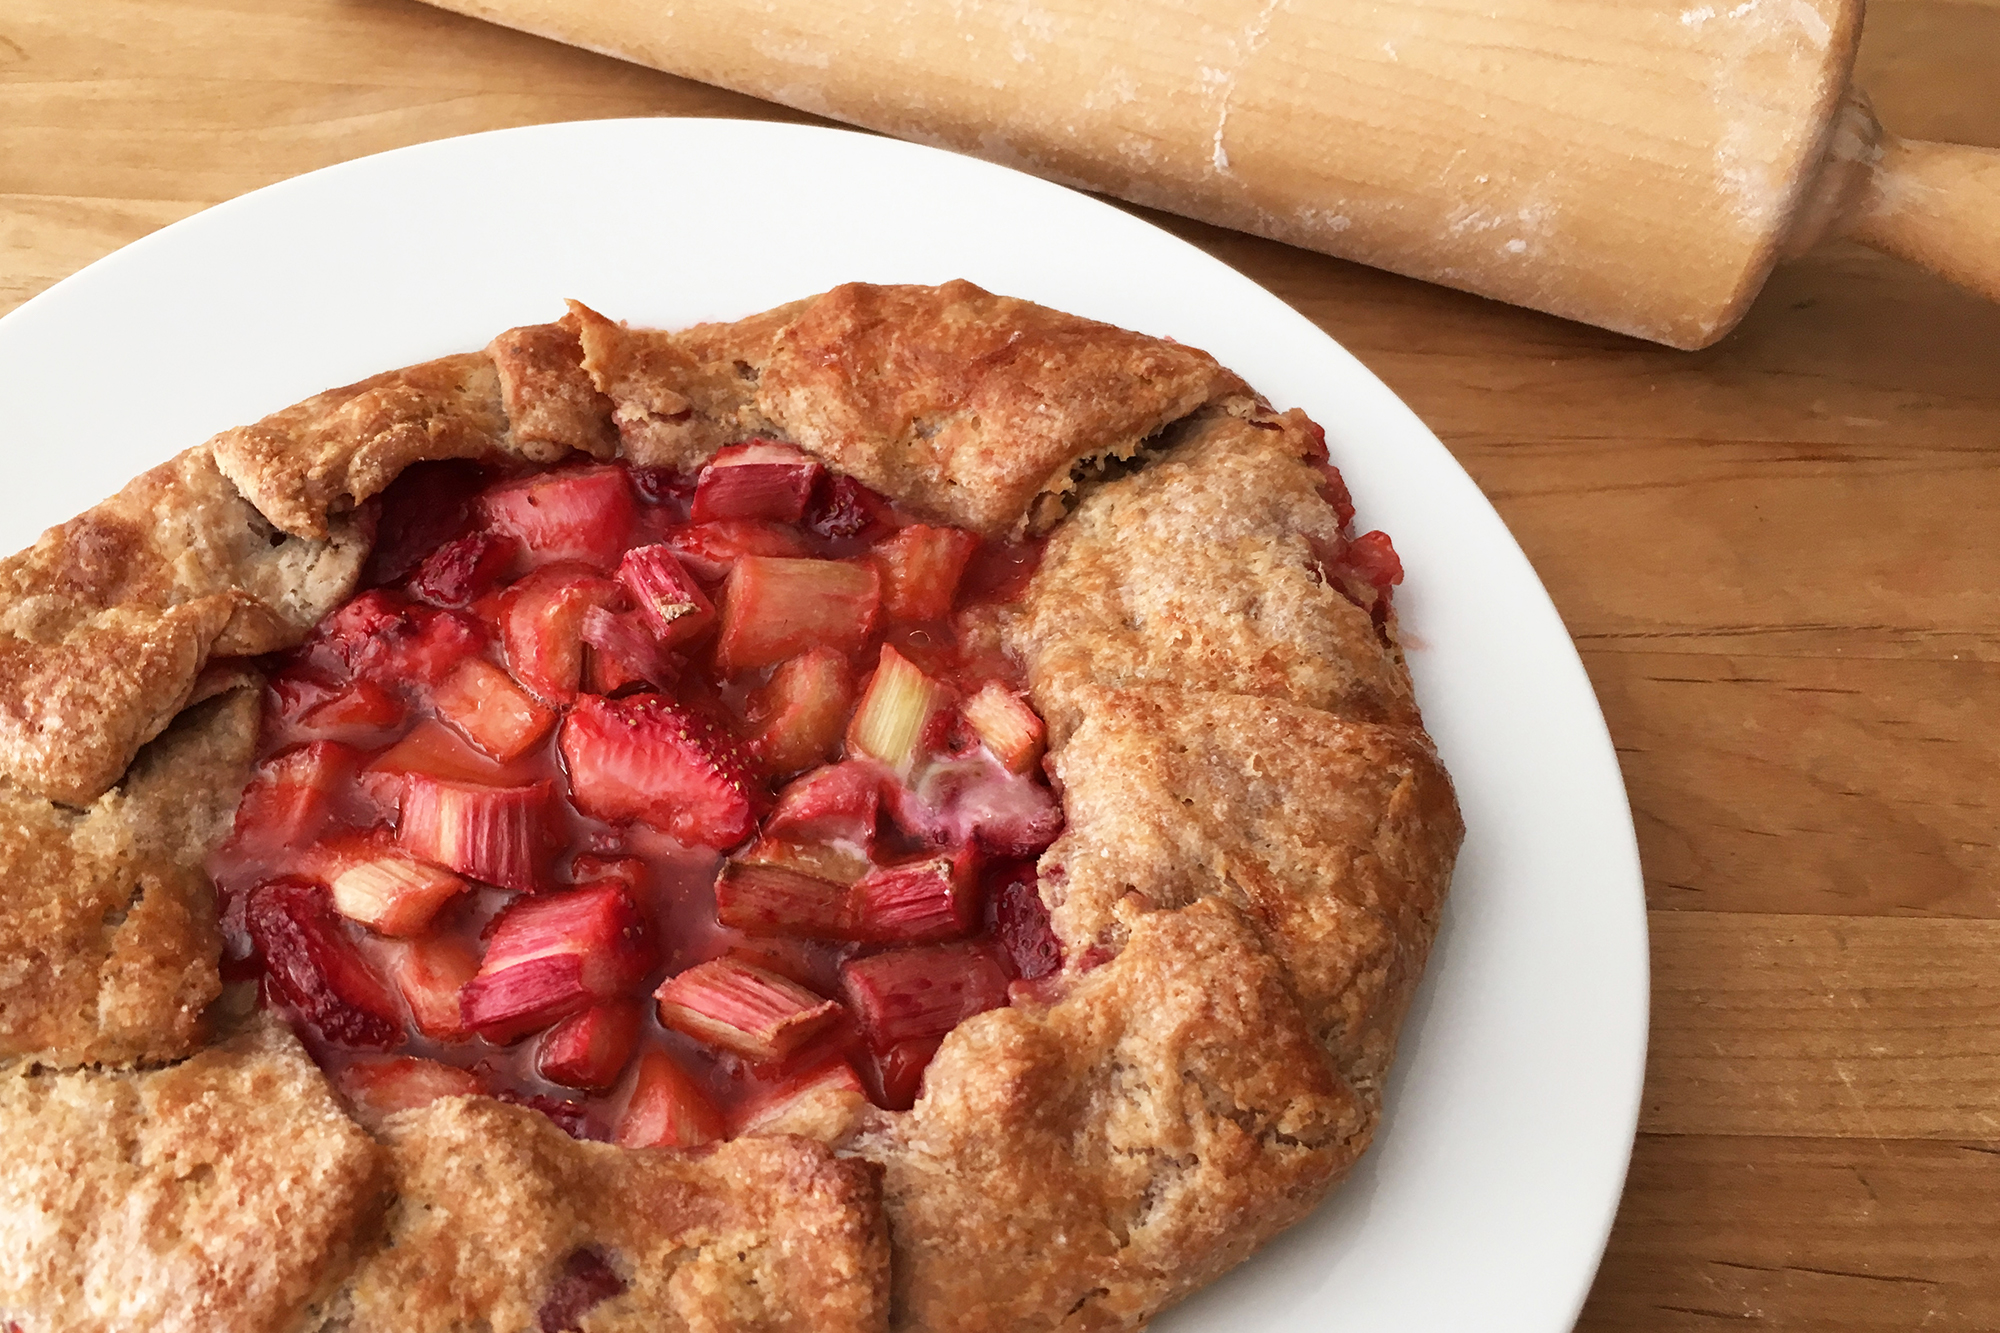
[
  {"x": 493, "y": 1200},
  {"x": 108, "y": 940},
  {"x": 1085, "y": 1164},
  {"x": 216, "y": 1196}
]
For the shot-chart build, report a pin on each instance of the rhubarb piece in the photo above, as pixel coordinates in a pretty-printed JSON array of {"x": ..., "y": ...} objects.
[
  {"x": 757, "y": 1014},
  {"x": 1021, "y": 922},
  {"x": 629, "y": 871},
  {"x": 666, "y": 1108},
  {"x": 766, "y": 899},
  {"x": 624, "y": 652},
  {"x": 431, "y": 973},
  {"x": 554, "y": 955},
  {"x": 495, "y": 714},
  {"x": 500, "y": 835},
  {"x": 848, "y": 509},
  {"x": 775, "y": 608},
  {"x": 362, "y": 706},
  {"x": 710, "y": 550},
  {"x": 790, "y": 958},
  {"x": 670, "y": 602},
  {"x": 392, "y": 894},
  {"x": 313, "y": 965},
  {"x": 920, "y": 902},
  {"x": 590, "y": 1049},
  {"x": 759, "y": 479},
  {"x": 836, "y": 801},
  {"x": 541, "y": 624},
  {"x": 925, "y": 992},
  {"x": 583, "y": 513},
  {"x": 1006, "y": 726},
  {"x": 764, "y": 1107},
  {"x": 974, "y": 801},
  {"x": 921, "y": 567},
  {"x": 837, "y": 864},
  {"x": 647, "y": 759},
  {"x": 587, "y": 1279},
  {"x": 895, "y": 709},
  {"x": 804, "y": 709},
  {"x": 435, "y": 750},
  {"x": 379, "y": 1086},
  {"x": 900, "y": 1071},
  {"x": 291, "y": 796},
  {"x": 462, "y": 571}
]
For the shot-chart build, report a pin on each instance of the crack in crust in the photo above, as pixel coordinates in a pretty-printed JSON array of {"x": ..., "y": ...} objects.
[{"x": 1259, "y": 842}]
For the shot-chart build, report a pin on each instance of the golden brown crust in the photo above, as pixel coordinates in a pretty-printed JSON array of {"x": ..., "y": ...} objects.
[
  {"x": 107, "y": 621},
  {"x": 552, "y": 407},
  {"x": 1199, "y": 571},
  {"x": 1084, "y": 1165},
  {"x": 1335, "y": 837},
  {"x": 213, "y": 1197},
  {"x": 108, "y": 941},
  {"x": 492, "y": 1200}
]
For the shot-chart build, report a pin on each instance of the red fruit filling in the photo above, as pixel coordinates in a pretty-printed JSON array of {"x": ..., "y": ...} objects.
[{"x": 660, "y": 803}]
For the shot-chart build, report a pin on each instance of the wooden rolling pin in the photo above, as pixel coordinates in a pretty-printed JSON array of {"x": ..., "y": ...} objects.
[{"x": 1637, "y": 164}]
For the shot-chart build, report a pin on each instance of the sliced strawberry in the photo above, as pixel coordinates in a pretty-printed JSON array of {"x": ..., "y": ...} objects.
[
  {"x": 571, "y": 1117},
  {"x": 921, "y": 993},
  {"x": 435, "y": 750},
  {"x": 379, "y": 1086},
  {"x": 624, "y": 652},
  {"x": 669, "y": 600},
  {"x": 1021, "y": 921},
  {"x": 495, "y": 714},
  {"x": 590, "y": 1049},
  {"x": 501, "y": 835},
  {"x": 767, "y": 899},
  {"x": 666, "y": 1108},
  {"x": 835, "y": 1077},
  {"x": 774, "y": 608},
  {"x": 895, "y": 710},
  {"x": 583, "y": 513},
  {"x": 390, "y": 893},
  {"x": 1006, "y": 725},
  {"x": 586, "y": 1280},
  {"x": 462, "y": 571},
  {"x": 358, "y": 712},
  {"x": 900, "y": 1071},
  {"x": 429, "y": 504},
  {"x": 1373, "y": 557},
  {"x": 835, "y": 801},
  {"x": 314, "y": 966},
  {"x": 710, "y": 550},
  {"x": 385, "y": 637},
  {"x": 846, "y": 508},
  {"x": 804, "y": 709},
  {"x": 431, "y": 973},
  {"x": 919, "y": 902},
  {"x": 646, "y": 759},
  {"x": 759, "y": 479},
  {"x": 555, "y": 954},
  {"x": 921, "y": 567},
  {"x": 541, "y": 624},
  {"x": 292, "y": 795},
  {"x": 757, "y": 1014},
  {"x": 974, "y": 801}
]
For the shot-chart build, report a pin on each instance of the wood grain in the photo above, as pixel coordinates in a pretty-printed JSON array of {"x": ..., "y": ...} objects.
[{"x": 1776, "y": 555}]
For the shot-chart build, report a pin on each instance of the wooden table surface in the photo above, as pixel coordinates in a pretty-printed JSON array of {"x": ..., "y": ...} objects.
[{"x": 1779, "y": 557}]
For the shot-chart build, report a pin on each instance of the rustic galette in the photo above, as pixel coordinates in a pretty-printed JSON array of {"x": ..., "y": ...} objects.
[{"x": 905, "y": 811}]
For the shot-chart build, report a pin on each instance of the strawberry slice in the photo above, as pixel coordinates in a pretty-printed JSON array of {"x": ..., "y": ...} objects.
[
  {"x": 974, "y": 801},
  {"x": 666, "y": 1108},
  {"x": 921, "y": 567},
  {"x": 846, "y": 508},
  {"x": 763, "y": 1108},
  {"x": 833, "y": 802},
  {"x": 804, "y": 709},
  {"x": 384, "y": 636},
  {"x": 1021, "y": 921},
  {"x": 669, "y": 600},
  {"x": 646, "y": 759},
  {"x": 379, "y": 1086},
  {"x": 775, "y": 608},
  {"x": 582, "y": 513},
  {"x": 757, "y": 479},
  {"x": 541, "y": 624},
  {"x": 624, "y": 652},
  {"x": 462, "y": 571},
  {"x": 590, "y": 1049},
  {"x": 500, "y": 835},
  {"x": 895, "y": 712},
  {"x": 757, "y": 1014},
  {"x": 900, "y": 1071},
  {"x": 358, "y": 713},
  {"x": 315, "y": 967},
  {"x": 710, "y": 550},
  {"x": 388, "y": 892},
  {"x": 1373, "y": 557},
  {"x": 1006, "y": 725},
  {"x": 919, "y": 902},
  {"x": 495, "y": 714},
  {"x": 554, "y": 955},
  {"x": 766, "y": 899},
  {"x": 587, "y": 1279},
  {"x": 922, "y": 993},
  {"x": 431, "y": 973},
  {"x": 429, "y": 504},
  {"x": 435, "y": 750},
  {"x": 291, "y": 797}
]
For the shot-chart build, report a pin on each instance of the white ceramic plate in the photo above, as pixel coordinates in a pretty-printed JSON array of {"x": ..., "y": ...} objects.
[{"x": 1486, "y": 1199}]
